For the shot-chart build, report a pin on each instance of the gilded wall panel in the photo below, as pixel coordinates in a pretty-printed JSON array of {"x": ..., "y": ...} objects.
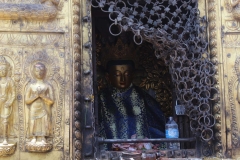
[
  {"x": 230, "y": 76},
  {"x": 231, "y": 81},
  {"x": 32, "y": 20},
  {"x": 37, "y": 51}
]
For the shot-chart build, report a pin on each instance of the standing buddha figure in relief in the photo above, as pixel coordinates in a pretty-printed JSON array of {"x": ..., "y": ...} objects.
[
  {"x": 7, "y": 97},
  {"x": 39, "y": 98}
]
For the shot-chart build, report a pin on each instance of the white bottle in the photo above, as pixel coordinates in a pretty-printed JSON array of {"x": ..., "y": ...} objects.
[{"x": 171, "y": 128}]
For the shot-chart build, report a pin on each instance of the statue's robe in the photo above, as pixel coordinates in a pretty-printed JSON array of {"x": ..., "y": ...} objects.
[
  {"x": 40, "y": 114},
  {"x": 123, "y": 113}
]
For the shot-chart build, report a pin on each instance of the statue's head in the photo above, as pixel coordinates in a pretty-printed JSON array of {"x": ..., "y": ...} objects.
[
  {"x": 119, "y": 60},
  {"x": 120, "y": 73},
  {"x": 39, "y": 70},
  {"x": 4, "y": 65}
]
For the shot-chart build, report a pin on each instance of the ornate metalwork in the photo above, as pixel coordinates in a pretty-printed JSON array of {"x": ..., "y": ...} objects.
[
  {"x": 212, "y": 21},
  {"x": 77, "y": 135},
  {"x": 178, "y": 36}
]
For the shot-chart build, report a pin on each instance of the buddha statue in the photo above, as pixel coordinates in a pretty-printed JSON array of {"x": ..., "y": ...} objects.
[
  {"x": 125, "y": 110},
  {"x": 7, "y": 97},
  {"x": 39, "y": 99}
]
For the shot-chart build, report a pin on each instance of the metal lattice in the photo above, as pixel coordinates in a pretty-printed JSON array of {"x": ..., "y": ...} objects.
[{"x": 178, "y": 35}]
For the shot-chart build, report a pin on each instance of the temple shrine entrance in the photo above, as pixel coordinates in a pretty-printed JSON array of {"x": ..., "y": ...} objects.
[{"x": 169, "y": 72}]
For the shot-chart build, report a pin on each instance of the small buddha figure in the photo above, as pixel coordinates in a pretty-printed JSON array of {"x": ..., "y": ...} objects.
[
  {"x": 125, "y": 110},
  {"x": 7, "y": 97},
  {"x": 39, "y": 98}
]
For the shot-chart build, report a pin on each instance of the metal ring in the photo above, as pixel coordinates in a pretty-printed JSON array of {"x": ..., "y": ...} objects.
[
  {"x": 195, "y": 101},
  {"x": 201, "y": 121},
  {"x": 205, "y": 94},
  {"x": 193, "y": 117},
  {"x": 175, "y": 76},
  {"x": 185, "y": 97},
  {"x": 121, "y": 2},
  {"x": 210, "y": 118},
  {"x": 181, "y": 83},
  {"x": 184, "y": 73},
  {"x": 134, "y": 39},
  {"x": 111, "y": 14},
  {"x": 192, "y": 123},
  {"x": 202, "y": 107},
  {"x": 204, "y": 134},
  {"x": 215, "y": 95},
  {"x": 178, "y": 63},
  {"x": 111, "y": 31}
]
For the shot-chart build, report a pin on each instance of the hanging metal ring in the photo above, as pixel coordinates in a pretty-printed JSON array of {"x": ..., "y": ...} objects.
[
  {"x": 113, "y": 33},
  {"x": 134, "y": 39}
]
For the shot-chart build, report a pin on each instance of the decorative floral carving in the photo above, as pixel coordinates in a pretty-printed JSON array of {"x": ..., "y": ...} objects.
[
  {"x": 6, "y": 150},
  {"x": 234, "y": 7},
  {"x": 39, "y": 147}
]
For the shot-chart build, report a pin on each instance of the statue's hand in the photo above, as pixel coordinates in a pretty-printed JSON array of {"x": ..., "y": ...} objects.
[
  {"x": 41, "y": 95},
  {"x": 7, "y": 105}
]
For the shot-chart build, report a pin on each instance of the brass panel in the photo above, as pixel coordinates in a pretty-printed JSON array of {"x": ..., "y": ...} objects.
[
  {"x": 37, "y": 42},
  {"x": 230, "y": 74}
]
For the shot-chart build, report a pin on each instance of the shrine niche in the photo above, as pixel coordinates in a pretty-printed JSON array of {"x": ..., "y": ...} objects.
[{"x": 146, "y": 75}]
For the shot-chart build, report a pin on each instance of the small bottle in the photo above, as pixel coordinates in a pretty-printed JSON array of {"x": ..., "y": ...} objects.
[{"x": 171, "y": 128}]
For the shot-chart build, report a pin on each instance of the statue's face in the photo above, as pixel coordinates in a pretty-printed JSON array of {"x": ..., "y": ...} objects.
[
  {"x": 39, "y": 71},
  {"x": 120, "y": 76},
  {"x": 3, "y": 70}
]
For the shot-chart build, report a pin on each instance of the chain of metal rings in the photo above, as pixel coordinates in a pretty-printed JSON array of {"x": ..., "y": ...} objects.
[{"x": 178, "y": 35}]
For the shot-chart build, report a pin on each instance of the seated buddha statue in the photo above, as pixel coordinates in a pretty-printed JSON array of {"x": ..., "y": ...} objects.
[{"x": 125, "y": 109}]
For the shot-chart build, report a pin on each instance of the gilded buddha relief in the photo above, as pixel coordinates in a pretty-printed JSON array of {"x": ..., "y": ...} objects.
[
  {"x": 42, "y": 104},
  {"x": 7, "y": 108},
  {"x": 39, "y": 99}
]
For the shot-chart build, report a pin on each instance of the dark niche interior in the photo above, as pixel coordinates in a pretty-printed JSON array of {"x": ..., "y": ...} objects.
[{"x": 151, "y": 74}]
